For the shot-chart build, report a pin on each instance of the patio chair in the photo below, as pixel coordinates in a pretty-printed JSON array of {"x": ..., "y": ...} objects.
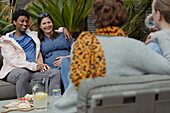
[{"x": 132, "y": 94}]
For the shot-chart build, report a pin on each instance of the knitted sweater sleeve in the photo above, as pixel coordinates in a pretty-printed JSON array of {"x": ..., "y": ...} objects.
[
  {"x": 155, "y": 63},
  {"x": 163, "y": 39}
]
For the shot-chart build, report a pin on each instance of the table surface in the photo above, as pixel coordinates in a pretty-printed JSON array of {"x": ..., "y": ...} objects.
[{"x": 51, "y": 100}]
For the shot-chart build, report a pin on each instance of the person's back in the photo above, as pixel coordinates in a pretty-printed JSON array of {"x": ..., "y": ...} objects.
[
  {"x": 105, "y": 56},
  {"x": 126, "y": 56}
]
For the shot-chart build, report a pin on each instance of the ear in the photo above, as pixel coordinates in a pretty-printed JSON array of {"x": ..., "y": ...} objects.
[
  {"x": 14, "y": 22},
  {"x": 159, "y": 15}
]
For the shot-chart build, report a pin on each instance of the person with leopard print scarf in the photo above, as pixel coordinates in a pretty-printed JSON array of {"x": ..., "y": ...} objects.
[{"x": 108, "y": 52}]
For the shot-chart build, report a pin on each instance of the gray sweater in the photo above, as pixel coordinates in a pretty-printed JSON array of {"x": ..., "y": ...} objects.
[
  {"x": 124, "y": 57},
  {"x": 131, "y": 57}
]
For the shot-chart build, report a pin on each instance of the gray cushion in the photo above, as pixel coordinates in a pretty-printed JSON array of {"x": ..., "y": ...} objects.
[
  {"x": 8, "y": 90},
  {"x": 107, "y": 85}
]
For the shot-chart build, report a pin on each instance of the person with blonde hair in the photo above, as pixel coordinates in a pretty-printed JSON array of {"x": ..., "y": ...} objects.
[{"x": 161, "y": 15}]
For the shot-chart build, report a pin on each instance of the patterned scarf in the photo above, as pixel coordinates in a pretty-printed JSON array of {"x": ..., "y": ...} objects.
[
  {"x": 110, "y": 30},
  {"x": 88, "y": 58}
]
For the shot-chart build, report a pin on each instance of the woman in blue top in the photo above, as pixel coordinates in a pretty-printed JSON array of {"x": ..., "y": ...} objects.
[{"x": 54, "y": 46}]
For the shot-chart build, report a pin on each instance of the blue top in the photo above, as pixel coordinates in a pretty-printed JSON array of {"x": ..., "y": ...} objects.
[
  {"x": 51, "y": 49},
  {"x": 155, "y": 46},
  {"x": 27, "y": 45}
]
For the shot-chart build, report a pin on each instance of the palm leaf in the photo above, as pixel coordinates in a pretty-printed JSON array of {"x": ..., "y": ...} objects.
[
  {"x": 6, "y": 28},
  {"x": 60, "y": 5},
  {"x": 6, "y": 17},
  {"x": 38, "y": 6},
  {"x": 3, "y": 22},
  {"x": 136, "y": 13},
  {"x": 66, "y": 13}
]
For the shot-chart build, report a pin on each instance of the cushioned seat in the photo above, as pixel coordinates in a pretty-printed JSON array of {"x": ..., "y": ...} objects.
[
  {"x": 130, "y": 94},
  {"x": 8, "y": 90}
]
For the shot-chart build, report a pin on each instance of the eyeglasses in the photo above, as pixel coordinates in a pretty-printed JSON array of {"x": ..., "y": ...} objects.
[{"x": 43, "y": 14}]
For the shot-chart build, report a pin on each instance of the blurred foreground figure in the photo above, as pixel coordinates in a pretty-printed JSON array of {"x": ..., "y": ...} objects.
[{"x": 108, "y": 52}]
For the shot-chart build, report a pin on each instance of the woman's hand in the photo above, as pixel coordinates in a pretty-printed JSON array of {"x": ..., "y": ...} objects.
[
  {"x": 67, "y": 34},
  {"x": 42, "y": 67},
  {"x": 149, "y": 39},
  {"x": 58, "y": 62}
]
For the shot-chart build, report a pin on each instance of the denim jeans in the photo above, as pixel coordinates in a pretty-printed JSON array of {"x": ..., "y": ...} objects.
[{"x": 65, "y": 69}]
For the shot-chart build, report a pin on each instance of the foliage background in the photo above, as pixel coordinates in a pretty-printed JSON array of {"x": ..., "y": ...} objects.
[
  {"x": 137, "y": 10},
  {"x": 6, "y": 11},
  {"x": 70, "y": 14}
]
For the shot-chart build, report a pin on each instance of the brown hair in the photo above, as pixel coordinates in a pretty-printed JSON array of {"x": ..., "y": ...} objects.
[
  {"x": 108, "y": 13},
  {"x": 40, "y": 32},
  {"x": 163, "y": 6}
]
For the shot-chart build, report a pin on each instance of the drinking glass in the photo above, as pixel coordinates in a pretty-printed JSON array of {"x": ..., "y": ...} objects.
[
  {"x": 149, "y": 22},
  {"x": 39, "y": 89},
  {"x": 57, "y": 91}
]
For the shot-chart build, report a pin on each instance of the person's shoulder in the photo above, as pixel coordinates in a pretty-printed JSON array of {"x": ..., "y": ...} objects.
[
  {"x": 31, "y": 32},
  {"x": 9, "y": 33},
  {"x": 160, "y": 32},
  {"x": 131, "y": 42},
  {"x": 84, "y": 34},
  {"x": 60, "y": 35}
]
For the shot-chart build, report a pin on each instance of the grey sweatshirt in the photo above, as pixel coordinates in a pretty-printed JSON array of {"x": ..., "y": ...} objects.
[
  {"x": 131, "y": 57},
  {"x": 124, "y": 57}
]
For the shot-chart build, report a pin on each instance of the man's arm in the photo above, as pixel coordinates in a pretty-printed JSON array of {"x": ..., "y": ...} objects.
[
  {"x": 66, "y": 33},
  {"x": 39, "y": 59},
  {"x": 11, "y": 56}
]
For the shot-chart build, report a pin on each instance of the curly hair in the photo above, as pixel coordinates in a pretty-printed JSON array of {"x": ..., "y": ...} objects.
[
  {"x": 164, "y": 7},
  {"x": 108, "y": 13},
  {"x": 20, "y": 12}
]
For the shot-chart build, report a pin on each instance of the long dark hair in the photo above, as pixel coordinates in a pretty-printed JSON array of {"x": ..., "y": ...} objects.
[{"x": 40, "y": 32}]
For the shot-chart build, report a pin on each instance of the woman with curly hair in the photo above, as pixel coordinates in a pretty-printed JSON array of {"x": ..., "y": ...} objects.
[{"x": 108, "y": 52}]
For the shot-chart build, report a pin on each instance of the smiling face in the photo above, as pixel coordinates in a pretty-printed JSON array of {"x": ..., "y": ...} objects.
[
  {"x": 46, "y": 26},
  {"x": 21, "y": 24}
]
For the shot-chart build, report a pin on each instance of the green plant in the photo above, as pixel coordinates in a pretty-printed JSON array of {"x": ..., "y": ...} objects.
[
  {"x": 6, "y": 17},
  {"x": 69, "y": 14},
  {"x": 136, "y": 14}
]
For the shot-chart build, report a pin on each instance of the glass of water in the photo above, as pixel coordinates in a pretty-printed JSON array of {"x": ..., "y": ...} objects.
[
  {"x": 149, "y": 21},
  {"x": 56, "y": 91}
]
